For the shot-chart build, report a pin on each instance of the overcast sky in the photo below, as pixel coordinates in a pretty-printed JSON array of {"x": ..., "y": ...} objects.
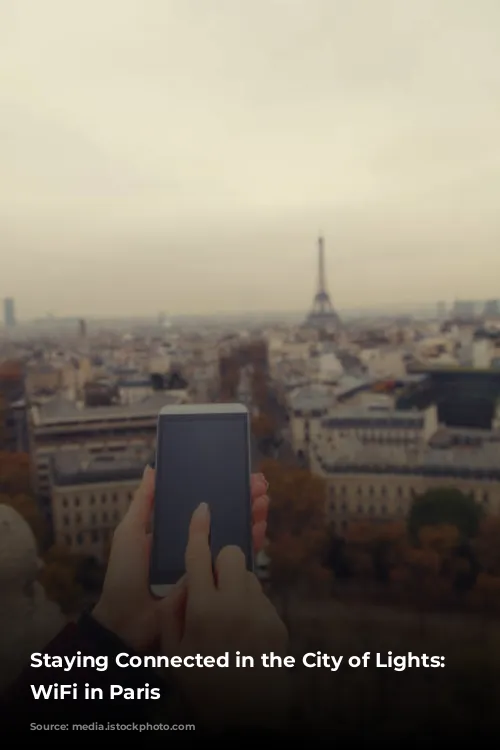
[{"x": 182, "y": 155}]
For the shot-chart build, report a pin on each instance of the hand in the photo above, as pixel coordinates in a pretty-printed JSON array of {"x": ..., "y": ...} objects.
[
  {"x": 230, "y": 614},
  {"x": 126, "y": 606}
]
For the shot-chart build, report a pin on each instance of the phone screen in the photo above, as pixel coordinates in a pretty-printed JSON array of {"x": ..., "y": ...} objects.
[{"x": 200, "y": 458}]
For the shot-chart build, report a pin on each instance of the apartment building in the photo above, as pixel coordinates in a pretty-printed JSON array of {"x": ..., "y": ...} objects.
[
  {"x": 90, "y": 494},
  {"x": 63, "y": 426}
]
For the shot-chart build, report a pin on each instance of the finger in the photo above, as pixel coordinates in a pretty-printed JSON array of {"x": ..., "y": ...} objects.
[
  {"x": 258, "y": 485},
  {"x": 260, "y": 509},
  {"x": 139, "y": 512},
  {"x": 231, "y": 570},
  {"x": 198, "y": 555},
  {"x": 171, "y": 613},
  {"x": 259, "y": 535},
  {"x": 253, "y": 584}
]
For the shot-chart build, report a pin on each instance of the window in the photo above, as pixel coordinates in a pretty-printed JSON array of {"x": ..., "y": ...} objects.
[
  {"x": 384, "y": 510},
  {"x": 92, "y": 500},
  {"x": 95, "y": 536},
  {"x": 79, "y": 538},
  {"x": 77, "y": 501},
  {"x": 360, "y": 509},
  {"x": 115, "y": 497},
  {"x": 400, "y": 492},
  {"x": 78, "y": 517},
  {"x": 93, "y": 519},
  {"x": 371, "y": 510},
  {"x": 370, "y": 492},
  {"x": 332, "y": 507},
  {"x": 343, "y": 507},
  {"x": 65, "y": 502},
  {"x": 129, "y": 496},
  {"x": 116, "y": 516},
  {"x": 103, "y": 499},
  {"x": 486, "y": 498},
  {"x": 332, "y": 491},
  {"x": 342, "y": 490},
  {"x": 67, "y": 539},
  {"x": 104, "y": 517},
  {"x": 359, "y": 492},
  {"x": 383, "y": 491},
  {"x": 66, "y": 520}
]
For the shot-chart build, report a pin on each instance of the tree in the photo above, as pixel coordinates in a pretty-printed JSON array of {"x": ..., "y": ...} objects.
[
  {"x": 297, "y": 499},
  {"x": 3, "y": 421},
  {"x": 359, "y": 540},
  {"x": 444, "y": 541},
  {"x": 263, "y": 426},
  {"x": 421, "y": 572},
  {"x": 488, "y": 589},
  {"x": 442, "y": 538},
  {"x": 375, "y": 549},
  {"x": 15, "y": 473},
  {"x": 487, "y": 545},
  {"x": 229, "y": 376},
  {"x": 448, "y": 507},
  {"x": 157, "y": 381},
  {"x": 297, "y": 528},
  {"x": 260, "y": 389}
]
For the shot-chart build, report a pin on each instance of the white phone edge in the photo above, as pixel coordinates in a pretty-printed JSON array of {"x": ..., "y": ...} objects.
[
  {"x": 160, "y": 591},
  {"x": 184, "y": 409}
]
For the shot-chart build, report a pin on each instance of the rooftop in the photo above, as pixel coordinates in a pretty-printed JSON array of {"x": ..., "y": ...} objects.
[
  {"x": 62, "y": 411},
  {"x": 348, "y": 384},
  {"x": 374, "y": 415},
  {"x": 354, "y": 457},
  {"x": 76, "y": 467},
  {"x": 312, "y": 398}
]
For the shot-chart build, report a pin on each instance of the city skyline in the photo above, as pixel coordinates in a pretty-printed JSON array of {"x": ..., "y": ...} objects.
[{"x": 184, "y": 157}]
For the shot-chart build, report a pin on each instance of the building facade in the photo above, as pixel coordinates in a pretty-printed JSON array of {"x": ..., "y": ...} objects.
[
  {"x": 89, "y": 497},
  {"x": 61, "y": 427},
  {"x": 379, "y": 490}
]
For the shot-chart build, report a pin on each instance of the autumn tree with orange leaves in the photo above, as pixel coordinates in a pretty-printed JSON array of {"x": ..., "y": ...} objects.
[
  {"x": 263, "y": 426},
  {"x": 16, "y": 491},
  {"x": 297, "y": 530}
]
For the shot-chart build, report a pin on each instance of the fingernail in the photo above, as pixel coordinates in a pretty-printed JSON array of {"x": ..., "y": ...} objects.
[
  {"x": 202, "y": 512},
  {"x": 180, "y": 583},
  {"x": 263, "y": 480},
  {"x": 147, "y": 471}
]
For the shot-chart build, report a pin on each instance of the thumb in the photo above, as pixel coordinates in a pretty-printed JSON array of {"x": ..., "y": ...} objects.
[
  {"x": 139, "y": 511},
  {"x": 172, "y": 615}
]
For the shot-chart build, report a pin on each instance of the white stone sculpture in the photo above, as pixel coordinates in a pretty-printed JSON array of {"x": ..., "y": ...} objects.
[{"x": 28, "y": 621}]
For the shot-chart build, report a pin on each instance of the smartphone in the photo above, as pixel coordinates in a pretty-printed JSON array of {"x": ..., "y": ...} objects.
[{"x": 202, "y": 455}]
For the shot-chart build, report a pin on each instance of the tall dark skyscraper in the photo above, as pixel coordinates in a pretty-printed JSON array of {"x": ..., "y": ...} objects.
[{"x": 9, "y": 313}]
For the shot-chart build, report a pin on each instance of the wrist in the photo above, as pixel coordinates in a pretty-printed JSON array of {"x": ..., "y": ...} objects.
[{"x": 105, "y": 619}]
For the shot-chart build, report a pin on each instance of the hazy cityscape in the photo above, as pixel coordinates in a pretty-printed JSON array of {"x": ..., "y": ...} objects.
[{"x": 294, "y": 208}]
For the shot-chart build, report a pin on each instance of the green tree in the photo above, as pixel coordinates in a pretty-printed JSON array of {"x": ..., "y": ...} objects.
[{"x": 444, "y": 507}]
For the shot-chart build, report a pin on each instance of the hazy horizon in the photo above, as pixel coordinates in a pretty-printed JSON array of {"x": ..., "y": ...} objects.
[{"x": 184, "y": 156}]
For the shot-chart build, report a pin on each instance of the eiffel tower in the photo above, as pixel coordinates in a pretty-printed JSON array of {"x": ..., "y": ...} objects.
[{"x": 322, "y": 315}]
